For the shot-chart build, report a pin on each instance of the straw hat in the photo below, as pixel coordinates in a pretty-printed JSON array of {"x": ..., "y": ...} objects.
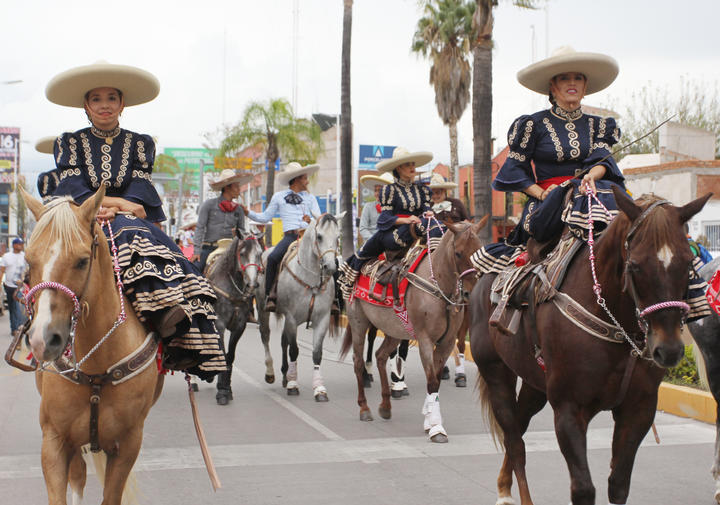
[
  {"x": 294, "y": 169},
  {"x": 45, "y": 144},
  {"x": 400, "y": 156},
  {"x": 68, "y": 88},
  {"x": 372, "y": 180},
  {"x": 599, "y": 69},
  {"x": 229, "y": 176},
  {"x": 437, "y": 181}
]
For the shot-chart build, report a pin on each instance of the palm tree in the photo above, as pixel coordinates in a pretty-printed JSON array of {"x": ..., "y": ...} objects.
[
  {"x": 273, "y": 125},
  {"x": 482, "y": 106},
  {"x": 348, "y": 245},
  {"x": 446, "y": 34}
]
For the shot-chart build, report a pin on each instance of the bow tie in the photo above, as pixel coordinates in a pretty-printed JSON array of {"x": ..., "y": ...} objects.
[
  {"x": 442, "y": 207},
  {"x": 293, "y": 199}
]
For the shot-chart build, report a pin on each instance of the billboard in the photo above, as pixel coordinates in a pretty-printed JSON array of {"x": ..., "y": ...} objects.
[
  {"x": 9, "y": 153},
  {"x": 189, "y": 158},
  {"x": 370, "y": 155}
]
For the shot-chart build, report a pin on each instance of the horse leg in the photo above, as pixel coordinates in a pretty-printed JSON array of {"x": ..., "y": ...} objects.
[
  {"x": 571, "y": 431},
  {"x": 224, "y": 384},
  {"x": 381, "y": 357},
  {"x": 284, "y": 365},
  {"x": 77, "y": 477},
  {"x": 398, "y": 359},
  {"x": 119, "y": 466},
  {"x": 55, "y": 460},
  {"x": 460, "y": 377},
  {"x": 433, "y": 360},
  {"x": 360, "y": 325},
  {"x": 633, "y": 419},
  {"x": 290, "y": 336},
  {"x": 265, "y": 338},
  {"x": 319, "y": 331},
  {"x": 367, "y": 374}
]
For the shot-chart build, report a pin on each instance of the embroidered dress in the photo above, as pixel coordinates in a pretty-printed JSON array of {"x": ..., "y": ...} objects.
[
  {"x": 155, "y": 273},
  {"x": 47, "y": 183}
]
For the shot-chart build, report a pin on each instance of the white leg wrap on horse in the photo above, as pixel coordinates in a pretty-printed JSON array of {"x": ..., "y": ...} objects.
[
  {"x": 292, "y": 371},
  {"x": 317, "y": 378},
  {"x": 461, "y": 367},
  {"x": 505, "y": 500},
  {"x": 400, "y": 368},
  {"x": 433, "y": 417},
  {"x": 398, "y": 386}
]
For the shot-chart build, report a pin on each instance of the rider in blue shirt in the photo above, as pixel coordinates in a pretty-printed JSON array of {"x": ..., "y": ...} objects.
[{"x": 295, "y": 206}]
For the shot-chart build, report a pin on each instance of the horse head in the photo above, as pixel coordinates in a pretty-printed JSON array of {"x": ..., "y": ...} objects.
[
  {"x": 466, "y": 242},
  {"x": 324, "y": 234},
  {"x": 657, "y": 260},
  {"x": 248, "y": 258},
  {"x": 60, "y": 253}
]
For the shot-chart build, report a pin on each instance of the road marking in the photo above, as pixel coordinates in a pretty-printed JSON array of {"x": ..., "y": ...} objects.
[
  {"x": 348, "y": 451},
  {"x": 297, "y": 412}
]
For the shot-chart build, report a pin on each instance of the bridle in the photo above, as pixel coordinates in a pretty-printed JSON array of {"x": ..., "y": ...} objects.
[{"x": 246, "y": 292}]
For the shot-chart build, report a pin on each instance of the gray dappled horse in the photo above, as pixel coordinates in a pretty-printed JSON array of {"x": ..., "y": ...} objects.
[
  {"x": 706, "y": 333},
  {"x": 305, "y": 292},
  {"x": 235, "y": 276}
]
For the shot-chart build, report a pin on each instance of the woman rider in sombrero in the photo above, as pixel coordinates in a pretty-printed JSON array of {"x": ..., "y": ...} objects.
[{"x": 167, "y": 292}]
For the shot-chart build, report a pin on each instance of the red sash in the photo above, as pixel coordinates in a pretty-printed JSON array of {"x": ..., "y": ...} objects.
[
  {"x": 713, "y": 292},
  {"x": 546, "y": 183}
]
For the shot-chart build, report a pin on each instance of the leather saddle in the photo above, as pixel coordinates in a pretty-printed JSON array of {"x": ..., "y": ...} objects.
[{"x": 388, "y": 272}]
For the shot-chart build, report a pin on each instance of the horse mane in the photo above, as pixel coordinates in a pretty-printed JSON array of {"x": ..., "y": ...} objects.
[
  {"x": 59, "y": 220},
  {"x": 226, "y": 262}
]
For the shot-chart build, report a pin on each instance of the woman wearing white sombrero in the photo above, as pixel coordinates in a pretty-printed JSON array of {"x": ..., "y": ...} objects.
[
  {"x": 557, "y": 149},
  {"x": 404, "y": 205},
  {"x": 165, "y": 289}
]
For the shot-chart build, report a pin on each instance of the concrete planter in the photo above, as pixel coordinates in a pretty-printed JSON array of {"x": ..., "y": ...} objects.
[{"x": 687, "y": 402}]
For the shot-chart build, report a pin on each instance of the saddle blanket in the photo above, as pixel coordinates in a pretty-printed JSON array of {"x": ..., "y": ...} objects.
[
  {"x": 713, "y": 292},
  {"x": 362, "y": 287}
]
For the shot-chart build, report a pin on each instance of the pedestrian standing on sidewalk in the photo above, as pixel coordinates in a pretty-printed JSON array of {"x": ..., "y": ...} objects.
[{"x": 13, "y": 266}]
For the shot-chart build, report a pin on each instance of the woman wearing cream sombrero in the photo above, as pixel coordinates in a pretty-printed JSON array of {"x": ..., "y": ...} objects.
[
  {"x": 569, "y": 150},
  {"x": 403, "y": 205},
  {"x": 167, "y": 292}
]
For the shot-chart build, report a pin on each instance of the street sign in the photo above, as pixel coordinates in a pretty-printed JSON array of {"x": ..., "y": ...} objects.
[
  {"x": 188, "y": 159},
  {"x": 277, "y": 164},
  {"x": 222, "y": 162},
  {"x": 370, "y": 155}
]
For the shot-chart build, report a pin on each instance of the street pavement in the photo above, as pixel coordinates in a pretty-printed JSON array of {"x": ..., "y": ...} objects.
[{"x": 270, "y": 448}]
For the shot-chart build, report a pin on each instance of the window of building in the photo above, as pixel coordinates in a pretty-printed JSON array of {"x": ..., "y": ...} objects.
[{"x": 712, "y": 232}]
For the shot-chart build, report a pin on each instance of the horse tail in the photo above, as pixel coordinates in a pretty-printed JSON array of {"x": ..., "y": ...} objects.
[
  {"x": 335, "y": 325},
  {"x": 496, "y": 432},
  {"x": 347, "y": 343},
  {"x": 99, "y": 462}
]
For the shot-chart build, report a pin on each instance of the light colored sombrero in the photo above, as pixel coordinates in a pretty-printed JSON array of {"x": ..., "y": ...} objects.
[
  {"x": 372, "y": 180},
  {"x": 400, "y": 156},
  {"x": 437, "y": 181},
  {"x": 229, "y": 176},
  {"x": 600, "y": 70},
  {"x": 294, "y": 169},
  {"x": 68, "y": 88},
  {"x": 45, "y": 145}
]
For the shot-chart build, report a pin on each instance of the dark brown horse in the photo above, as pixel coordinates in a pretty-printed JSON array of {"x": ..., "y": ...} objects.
[
  {"x": 642, "y": 260},
  {"x": 434, "y": 319}
]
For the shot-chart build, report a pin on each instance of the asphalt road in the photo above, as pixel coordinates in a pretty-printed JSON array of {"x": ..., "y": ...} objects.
[{"x": 270, "y": 448}]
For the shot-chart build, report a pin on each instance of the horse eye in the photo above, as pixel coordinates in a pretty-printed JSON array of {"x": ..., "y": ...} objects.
[
  {"x": 319, "y": 237},
  {"x": 82, "y": 263}
]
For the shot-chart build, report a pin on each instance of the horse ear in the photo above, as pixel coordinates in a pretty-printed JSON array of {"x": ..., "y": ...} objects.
[
  {"x": 340, "y": 216},
  {"x": 35, "y": 206},
  {"x": 690, "y": 209},
  {"x": 90, "y": 207},
  {"x": 480, "y": 224},
  {"x": 625, "y": 203}
]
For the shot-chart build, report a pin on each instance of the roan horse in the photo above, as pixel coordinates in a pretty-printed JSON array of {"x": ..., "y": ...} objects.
[
  {"x": 105, "y": 399},
  {"x": 435, "y": 312},
  {"x": 235, "y": 277},
  {"x": 305, "y": 293},
  {"x": 642, "y": 262}
]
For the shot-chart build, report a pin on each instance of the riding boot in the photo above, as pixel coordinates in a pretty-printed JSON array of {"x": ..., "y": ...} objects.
[
  {"x": 270, "y": 302},
  {"x": 168, "y": 321}
]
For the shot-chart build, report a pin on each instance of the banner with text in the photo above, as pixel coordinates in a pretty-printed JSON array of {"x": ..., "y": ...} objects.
[{"x": 9, "y": 153}]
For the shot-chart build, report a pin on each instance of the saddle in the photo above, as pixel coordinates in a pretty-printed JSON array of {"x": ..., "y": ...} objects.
[
  {"x": 222, "y": 246},
  {"x": 390, "y": 269}
]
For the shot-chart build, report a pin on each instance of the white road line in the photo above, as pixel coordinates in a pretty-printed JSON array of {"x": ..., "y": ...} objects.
[
  {"x": 347, "y": 451},
  {"x": 300, "y": 414}
]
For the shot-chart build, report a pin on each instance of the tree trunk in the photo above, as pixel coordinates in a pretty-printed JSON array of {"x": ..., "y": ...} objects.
[
  {"x": 348, "y": 240},
  {"x": 482, "y": 128},
  {"x": 453, "y": 152},
  {"x": 271, "y": 156}
]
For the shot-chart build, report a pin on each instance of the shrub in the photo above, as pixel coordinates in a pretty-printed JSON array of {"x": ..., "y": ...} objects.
[{"x": 685, "y": 373}]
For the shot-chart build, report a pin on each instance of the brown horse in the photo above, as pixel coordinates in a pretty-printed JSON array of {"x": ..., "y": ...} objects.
[
  {"x": 435, "y": 318},
  {"x": 642, "y": 259},
  {"x": 76, "y": 304}
]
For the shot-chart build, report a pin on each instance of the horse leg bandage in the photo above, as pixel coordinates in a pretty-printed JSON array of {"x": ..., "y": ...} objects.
[
  {"x": 317, "y": 378},
  {"x": 461, "y": 367},
  {"x": 292, "y": 371}
]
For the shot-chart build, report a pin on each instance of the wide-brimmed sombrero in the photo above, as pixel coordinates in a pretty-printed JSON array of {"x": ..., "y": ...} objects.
[
  {"x": 229, "y": 176},
  {"x": 599, "y": 69},
  {"x": 372, "y": 180},
  {"x": 69, "y": 88},
  {"x": 46, "y": 145},
  {"x": 400, "y": 156},
  {"x": 294, "y": 169},
  {"x": 437, "y": 181}
]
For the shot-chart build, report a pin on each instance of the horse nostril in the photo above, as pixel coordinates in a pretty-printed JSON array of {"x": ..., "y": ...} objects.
[{"x": 54, "y": 341}]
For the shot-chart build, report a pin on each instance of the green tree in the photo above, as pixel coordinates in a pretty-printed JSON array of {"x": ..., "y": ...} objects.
[
  {"x": 273, "y": 126},
  {"x": 445, "y": 35},
  {"x": 697, "y": 104},
  {"x": 348, "y": 245},
  {"x": 482, "y": 105}
]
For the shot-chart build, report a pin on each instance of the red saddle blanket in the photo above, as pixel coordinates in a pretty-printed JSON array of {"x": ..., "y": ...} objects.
[
  {"x": 362, "y": 287},
  {"x": 713, "y": 292}
]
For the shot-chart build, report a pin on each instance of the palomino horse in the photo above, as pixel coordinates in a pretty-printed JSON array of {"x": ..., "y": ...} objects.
[
  {"x": 305, "y": 293},
  {"x": 235, "y": 276},
  {"x": 434, "y": 312},
  {"x": 110, "y": 380},
  {"x": 641, "y": 262},
  {"x": 706, "y": 333}
]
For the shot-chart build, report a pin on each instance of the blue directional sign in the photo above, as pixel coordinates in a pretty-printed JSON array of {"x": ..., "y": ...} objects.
[{"x": 371, "y": 155}]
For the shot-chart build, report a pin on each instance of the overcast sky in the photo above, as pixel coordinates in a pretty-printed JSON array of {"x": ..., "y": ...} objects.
[{"x": 213, "y": 57}]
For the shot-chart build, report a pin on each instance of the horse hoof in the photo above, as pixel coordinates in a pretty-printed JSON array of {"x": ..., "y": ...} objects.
[
  {"x": 321, "y": 397},
  {"x": 222, "y": 399},
  {"x": 270, "y": 379},
  {"x": 439, "y": 438},
  {"x": 284, "y": 381},
  {"x": 367, "y": 382},
  {"x": 366, "y": 415},
  {"x": 396, "y": 393},
  {"x": 194, "y": 387},
  {"x": 293, "y": 391},
  {"x": 405, "y": 392},
  {"x": 460, "y": 380},
  {"x": 385, "y": 413},
  {"x": 445, "y": 373}
]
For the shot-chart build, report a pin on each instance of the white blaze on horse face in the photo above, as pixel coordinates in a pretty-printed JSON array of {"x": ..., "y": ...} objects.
[
  {"x": 665, "y": 255},
  {"x": 43, "y": 314}
]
